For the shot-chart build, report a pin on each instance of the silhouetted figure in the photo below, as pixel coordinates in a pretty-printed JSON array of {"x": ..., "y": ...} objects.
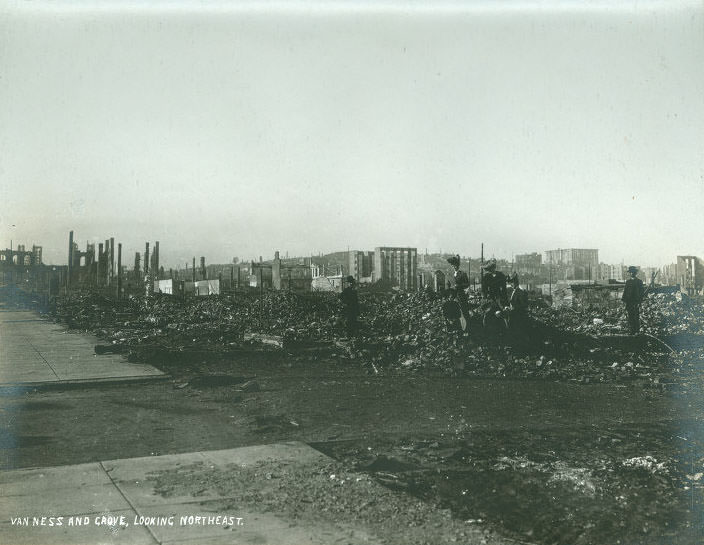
[
  {"x": 518, "y": 319},
  {"x": 350, "y": 307},
  {"x": 459, "y": 289},
  {"x": 633, "y": 296},
  {"x": 494, "y": 291}
]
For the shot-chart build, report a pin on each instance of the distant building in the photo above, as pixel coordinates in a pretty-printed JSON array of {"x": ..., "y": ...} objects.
[
  {"x": 397, "y": 266},
  {"x": 668, "y": 275},
  {"x": 207, "y": 287},
  {"x": 260, "y": 275},
  {"x": 26, "y": 268},
  {"x": 327, "y": 283},
  {"x": 572, "y": 256},
  {"x": 574, "y": 263},
  {"x": 597, "y": 295},
  {"x": 690, "y": 274},
  {"x": 280, "y": 276},
  {"x": 172, "y": 287},
  {"x": 360, "y": 265},
  {"x": 528, "y": 263},
  {"x": 20, "y": 256},
  {"x": 198, "y": 288},
  {"x": 646, "y": 274},
  {"x": 315, "y": 270},
  {"x": 610, "y": 272}
]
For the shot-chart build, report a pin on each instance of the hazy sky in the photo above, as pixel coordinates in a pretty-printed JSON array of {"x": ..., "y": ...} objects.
[{"x": 237, "y": 129}]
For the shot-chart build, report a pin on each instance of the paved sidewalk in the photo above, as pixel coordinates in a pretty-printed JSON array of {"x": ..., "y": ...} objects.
[
  {"x": 97, "y": 494},
  {"x": 34, "y": 351}
]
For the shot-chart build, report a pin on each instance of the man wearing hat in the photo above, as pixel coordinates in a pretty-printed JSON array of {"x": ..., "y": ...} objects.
[
  {"x": 494, "y": 283},
  {"x": 494, "y": 290},
  {"x": 633, "y": 295},
  {"x": 461, "y": 283},
  {"x": 518, "y": 319},
  {"x": 350, "y": 306}
]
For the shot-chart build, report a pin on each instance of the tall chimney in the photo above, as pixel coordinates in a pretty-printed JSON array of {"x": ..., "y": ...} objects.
[
  {"x": 119, "y": 270},
  {"x": 156, "y": 260},
  {"x": 70, "y": 259},
  {"x": 112, "y": 259}
]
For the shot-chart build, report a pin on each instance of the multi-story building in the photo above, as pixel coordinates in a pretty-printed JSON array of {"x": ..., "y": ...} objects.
[
  {"x": 649, "y": 274},
  {"x": 528, "y": 263},
  {"x": 360, "y": 265},
  {"x": 574, "y": 263},
  {"x": 398, "y": 266},
  {"x": 668, "y": 275},
  {"x": 610, "y": 272},
  {"x": 572, "y": 256},
  {"x": 690, "y": 274}
]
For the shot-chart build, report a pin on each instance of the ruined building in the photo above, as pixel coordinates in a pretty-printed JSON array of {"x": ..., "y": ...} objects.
[
  {"x": 25, "y": 269},
  {"x": 690, "y": 274},
  {"x": 21, "y": 257},
  {"x": 360, "y": 265},
  {"x": 397, "y": 266}
]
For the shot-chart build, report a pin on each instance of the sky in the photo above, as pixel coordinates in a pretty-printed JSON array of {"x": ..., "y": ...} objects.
[{"x": 237, "y": 129}]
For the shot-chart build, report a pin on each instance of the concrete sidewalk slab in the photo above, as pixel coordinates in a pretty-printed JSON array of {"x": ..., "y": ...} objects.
[
  {"x": 131, "y": 476},
  {"x": 33, "y": 481},
  {"x": 130, "y": 488},
  {"x": 35, "y": 351},
  {"x": 90, "y": 499}
]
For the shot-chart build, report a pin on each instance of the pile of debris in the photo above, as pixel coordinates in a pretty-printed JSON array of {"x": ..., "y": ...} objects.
[{"x": 402, "y": 332}]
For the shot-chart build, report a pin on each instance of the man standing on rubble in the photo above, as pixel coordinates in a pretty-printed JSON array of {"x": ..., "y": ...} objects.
[
  {"x": 350, "y": 307},
  {"x": 518, "y": 320},
  {"x": 633, "y": 294},
  {"x": 461, "y": 284},
  {"x": 494, "y": 290}
]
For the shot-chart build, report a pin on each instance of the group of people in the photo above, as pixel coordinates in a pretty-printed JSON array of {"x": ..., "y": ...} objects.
[
  {"x": 513, "y": 310},
  {"x": 499, "y": 309}
]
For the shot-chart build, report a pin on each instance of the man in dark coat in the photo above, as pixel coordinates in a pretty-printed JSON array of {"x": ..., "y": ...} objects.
[
  {"x": 494, "y": 283},
  {"x": 350, "y": 307},
  {"x": 632, "y": 296},
  {"x": 460, "y": 286},
  {"x": 494, "y": 291},
  {"x": 518, "y": 320}
]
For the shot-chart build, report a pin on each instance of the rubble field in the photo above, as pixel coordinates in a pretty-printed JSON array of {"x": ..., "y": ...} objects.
[
  {"x": 403, "y": 333},
  {"x": 626, "y": 480}
]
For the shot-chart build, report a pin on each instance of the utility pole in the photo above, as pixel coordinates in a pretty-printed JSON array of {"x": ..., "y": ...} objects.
[{"x": 481, "y": 270}]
